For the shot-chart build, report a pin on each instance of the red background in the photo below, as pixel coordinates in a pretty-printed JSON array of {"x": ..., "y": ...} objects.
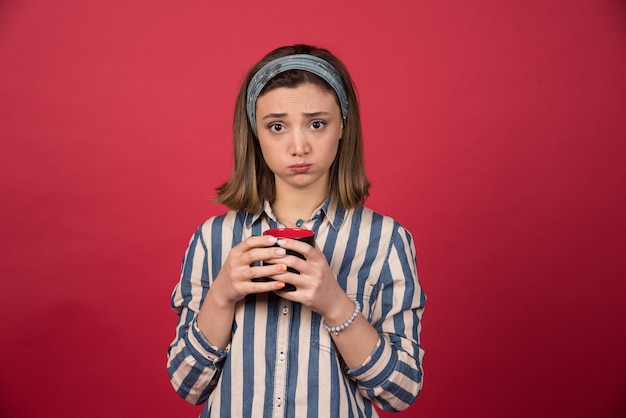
[{"x": 495, "y": 131}]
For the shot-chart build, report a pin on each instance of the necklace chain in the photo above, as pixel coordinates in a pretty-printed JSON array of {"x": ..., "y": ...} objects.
[{"x": 299, "y": 222}]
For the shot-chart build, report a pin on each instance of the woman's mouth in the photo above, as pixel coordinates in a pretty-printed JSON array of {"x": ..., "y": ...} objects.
[{"x": 300, "y": 168}]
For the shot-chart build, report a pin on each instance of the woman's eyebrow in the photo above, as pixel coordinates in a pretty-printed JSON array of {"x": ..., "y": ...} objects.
[
  {"x": 316, "y": 114},
  {"x": 274, "y": 115},
  {"x": 307, "y": 114}
]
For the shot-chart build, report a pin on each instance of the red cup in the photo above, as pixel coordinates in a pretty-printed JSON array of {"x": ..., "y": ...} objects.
[{"x": 300, "y": 234}]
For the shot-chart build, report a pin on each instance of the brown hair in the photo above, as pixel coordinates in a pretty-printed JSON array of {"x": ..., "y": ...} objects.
[{"x": 251, "y": 181}]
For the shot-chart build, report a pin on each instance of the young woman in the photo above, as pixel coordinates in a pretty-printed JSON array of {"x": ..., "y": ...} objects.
[{"x": 348, "y": 336}]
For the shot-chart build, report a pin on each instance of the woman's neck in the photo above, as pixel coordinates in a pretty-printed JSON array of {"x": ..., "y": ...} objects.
[{"x": 293, "y": 208}]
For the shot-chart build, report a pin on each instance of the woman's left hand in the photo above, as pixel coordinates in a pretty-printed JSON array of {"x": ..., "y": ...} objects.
[
  {"x": 318, "y": 289},
  {"x": 316, "y": 285}
]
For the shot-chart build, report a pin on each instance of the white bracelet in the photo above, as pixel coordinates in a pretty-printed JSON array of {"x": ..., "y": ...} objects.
[{"x": 338, "y": 328}]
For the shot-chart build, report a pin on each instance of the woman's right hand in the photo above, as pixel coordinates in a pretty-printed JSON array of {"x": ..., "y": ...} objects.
[{"x": 234, "y": 280}]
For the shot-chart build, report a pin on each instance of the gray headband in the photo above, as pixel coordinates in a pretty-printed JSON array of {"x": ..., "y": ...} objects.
[{"x": 304, "y": 62}]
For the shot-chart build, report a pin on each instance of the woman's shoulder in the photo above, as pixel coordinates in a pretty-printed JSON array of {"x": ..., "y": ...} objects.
[
  {"x": 388, "y": 226},
  {"x": 387, "y": 220},
  {"x": 227, "y": 221},
  {"x": 389, "y": 232}
]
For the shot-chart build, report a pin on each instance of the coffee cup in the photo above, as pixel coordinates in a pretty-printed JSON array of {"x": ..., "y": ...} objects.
[{"x": 300, "y": 234}]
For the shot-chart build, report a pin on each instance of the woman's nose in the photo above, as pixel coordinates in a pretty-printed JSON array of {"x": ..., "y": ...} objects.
[{"x": 299, "y": 143}]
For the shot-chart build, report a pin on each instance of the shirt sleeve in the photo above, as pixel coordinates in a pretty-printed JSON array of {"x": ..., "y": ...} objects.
[
  {"x": 392, "y": 375},
  {"x": 193, "y": 363}
]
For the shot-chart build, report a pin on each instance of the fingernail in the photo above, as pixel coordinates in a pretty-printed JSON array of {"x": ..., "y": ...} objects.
[
  {"x": 280, "y": 251},
  {"x": 281, "y": 268},
  {"x": 281, "y": 242},
  {"x": 280, "y": 285},
  {"x": 272, "y": 240}
]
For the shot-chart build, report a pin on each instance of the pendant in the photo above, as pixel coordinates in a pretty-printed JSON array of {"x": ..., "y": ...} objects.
[{"x": 299, "y": 223}]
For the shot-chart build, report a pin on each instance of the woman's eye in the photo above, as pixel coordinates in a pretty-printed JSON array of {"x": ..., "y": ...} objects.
[
  {"x": 275, "y": 127},
  {"x": 318, "y": 124}
]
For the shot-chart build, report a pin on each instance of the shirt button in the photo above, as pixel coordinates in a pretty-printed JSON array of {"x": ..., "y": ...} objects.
[
  {"x": 282, "y": 356},
  {"x": 279, "y": 402},
  {"x": 285, "y": 310}
]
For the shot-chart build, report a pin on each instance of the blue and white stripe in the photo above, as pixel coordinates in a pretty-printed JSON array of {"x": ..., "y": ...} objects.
[{"x": 280, "y": 360}]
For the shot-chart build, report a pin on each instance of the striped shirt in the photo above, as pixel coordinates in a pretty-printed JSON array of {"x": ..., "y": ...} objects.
[{"x": 280, "y": 362}]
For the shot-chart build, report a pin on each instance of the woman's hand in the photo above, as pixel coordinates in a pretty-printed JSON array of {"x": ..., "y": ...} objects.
[
  {"x": 316, "y": 285},
  {"x": 234, "y": 281},
  {"x": 318, "y": 289}
]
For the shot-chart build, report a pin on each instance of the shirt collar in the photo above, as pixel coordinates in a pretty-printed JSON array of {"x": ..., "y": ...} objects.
[{"x": 334, "y": 212}]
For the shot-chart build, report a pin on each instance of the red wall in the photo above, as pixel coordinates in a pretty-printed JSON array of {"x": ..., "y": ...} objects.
[{"x": 495, "y": 132}]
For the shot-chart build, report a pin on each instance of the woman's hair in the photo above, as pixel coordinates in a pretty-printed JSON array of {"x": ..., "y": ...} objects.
[{"x": 251, "y": 181}]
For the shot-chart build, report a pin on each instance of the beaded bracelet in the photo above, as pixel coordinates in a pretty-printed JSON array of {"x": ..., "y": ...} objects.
[{"x": 338, "y": 328}]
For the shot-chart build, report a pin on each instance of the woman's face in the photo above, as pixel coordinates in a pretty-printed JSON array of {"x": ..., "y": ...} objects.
[{"x": 299, "y": 131}]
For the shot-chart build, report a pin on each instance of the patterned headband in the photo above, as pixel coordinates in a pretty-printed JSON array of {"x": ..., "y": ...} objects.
[{"x": 305, "y": 62}]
